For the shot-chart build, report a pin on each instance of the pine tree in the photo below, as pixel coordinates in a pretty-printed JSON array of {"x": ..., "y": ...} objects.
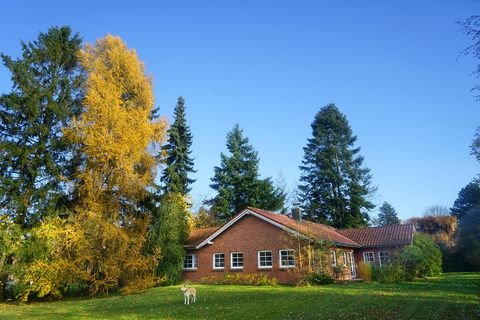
[
  {"x": 35, "y": 161},
  {"x": 387, "y": 215},
  {"x": 178, "y": 161},
  {"x": 468, "y": 198},
  {"x": 237, "y": 180},
  {"x": 334, "y": 185}
]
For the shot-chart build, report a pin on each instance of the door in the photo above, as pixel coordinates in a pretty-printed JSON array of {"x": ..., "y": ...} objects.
[{"x": 353, "y": 270}]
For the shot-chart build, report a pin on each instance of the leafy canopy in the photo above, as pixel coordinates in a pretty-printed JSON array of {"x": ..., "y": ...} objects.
[{"x": 115, "y": 133}]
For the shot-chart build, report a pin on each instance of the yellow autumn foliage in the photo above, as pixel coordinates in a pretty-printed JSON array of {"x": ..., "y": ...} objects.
[
  {"x": 116, "y": 136},
  {"x": 115, "y": 130}
]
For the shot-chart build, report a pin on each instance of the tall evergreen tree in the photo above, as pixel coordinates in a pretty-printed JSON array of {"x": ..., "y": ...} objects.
[
  {"x": 334, "y": 185},
  {"x": 387, "y": 215},
  {"x": 237, "y": 180},
  {"x": 468, "y": 198},
  {"x": 178, "y": 161},
  {"x": 35, "y": 161}
]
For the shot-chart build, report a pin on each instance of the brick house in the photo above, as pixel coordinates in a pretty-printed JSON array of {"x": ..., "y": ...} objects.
[{"x": 256, "y": 241}]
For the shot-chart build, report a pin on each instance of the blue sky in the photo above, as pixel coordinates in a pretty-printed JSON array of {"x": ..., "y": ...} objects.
[{"x": 393, "y": 67}]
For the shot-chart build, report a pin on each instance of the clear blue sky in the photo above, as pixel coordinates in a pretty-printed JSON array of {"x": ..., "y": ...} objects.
[{"x": 392, "y": 67}]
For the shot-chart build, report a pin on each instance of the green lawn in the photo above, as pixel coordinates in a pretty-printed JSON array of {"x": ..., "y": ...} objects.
[{"x": 453, "y": 296}]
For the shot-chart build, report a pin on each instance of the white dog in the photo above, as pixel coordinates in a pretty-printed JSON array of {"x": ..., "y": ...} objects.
[{"x": 187, "y": 293}]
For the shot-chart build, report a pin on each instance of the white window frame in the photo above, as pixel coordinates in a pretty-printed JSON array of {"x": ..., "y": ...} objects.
[
  {"x": 214, "y": 261},
  {"x": 365, "y": 256},
  {"x": 259, "y": 261},
  {"x": 194, "y": 262},
  {"x": 231, "y": 260},
  {"x": 280, "y": 258},
  {"x": 380, "y": 257},
  {"x": 345, "y": 261},
  {"x": 333, "y": 254}
]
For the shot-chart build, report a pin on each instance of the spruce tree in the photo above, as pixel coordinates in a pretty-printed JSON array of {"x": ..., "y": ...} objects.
[
  {"x": 468, "y": 198},
  {"x": 334, "y": 185},
  {"x": 178, "y": 161},
  {"x": 237, "y": 180},
  {"x": 387, "y": 215},
  {"x": 35, "y": 161}
]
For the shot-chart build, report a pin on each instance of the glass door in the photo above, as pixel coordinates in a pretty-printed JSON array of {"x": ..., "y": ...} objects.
[{"x": 353, "y": 270}]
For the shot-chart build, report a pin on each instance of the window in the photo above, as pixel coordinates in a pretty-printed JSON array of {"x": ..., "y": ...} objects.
[
  {"x": 190, "y": 262},
  {"x": 383, "y": 257},
  {"x": 236, "y": 260},
  {"x": 218, "y": 260},
  {"x": 264, "y": 259},
  {"x": 287, "y": 258},
  {"x": 368, "y": 257},
  {"x": 334, "y": 258},
  {"x": 344, "y": 258}
]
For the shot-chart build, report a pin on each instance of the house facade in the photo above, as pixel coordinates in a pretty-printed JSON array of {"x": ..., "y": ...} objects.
[{"x": 265, "y": 243}]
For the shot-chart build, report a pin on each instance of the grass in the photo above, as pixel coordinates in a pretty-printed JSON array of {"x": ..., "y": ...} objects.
[{"x": 452, "y": 296}]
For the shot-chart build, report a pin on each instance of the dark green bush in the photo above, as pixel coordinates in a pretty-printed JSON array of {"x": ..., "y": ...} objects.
[
  {"x": 320, "y": 279},
  {"x": 422, "y": 259},
  {"x": 388, "y": 273}
]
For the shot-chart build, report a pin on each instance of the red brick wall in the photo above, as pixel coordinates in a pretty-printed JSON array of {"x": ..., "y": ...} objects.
[{"x": 248, "y": 235}]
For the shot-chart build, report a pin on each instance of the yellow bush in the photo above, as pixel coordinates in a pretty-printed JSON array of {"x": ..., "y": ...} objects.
[{"x": 365, "y": 271}]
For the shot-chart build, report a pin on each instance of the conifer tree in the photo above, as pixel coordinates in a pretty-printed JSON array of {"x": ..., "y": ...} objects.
[
  {"x": 334, "y": 185},
  {"x": 237, "y": 180},
  {"x": 178, "y": 161},
  {"x": 387, "y": 215},
  {"x": 115, "y": 133},
  {"x": 468, "y": 199},
  {"x": 35, "y": 161}
]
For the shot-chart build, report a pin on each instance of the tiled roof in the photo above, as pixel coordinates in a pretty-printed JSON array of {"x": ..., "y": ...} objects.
[
  {"x": 387, "y": 236},
  {"x": 198, "y": 235},
  {"x": 307, "y": 228}
]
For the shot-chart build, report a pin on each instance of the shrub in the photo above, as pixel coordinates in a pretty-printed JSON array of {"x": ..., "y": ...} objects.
[
  {"x": 365, "y": 271},
  {"x": 422, "y": 259},
  {"x": 243, "y": 279},
  {"x": 388, "y": 273},
  {"x": 320, "y": 279}
]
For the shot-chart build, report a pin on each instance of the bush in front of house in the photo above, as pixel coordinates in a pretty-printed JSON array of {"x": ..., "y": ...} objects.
[
  {"x": 320, "y": 279},
  {"x": 388, "y": 273},
  {"x": 365, "y": 271},
  {"x": 252, "y": 279},
  {"x": 422, "y": 259}
]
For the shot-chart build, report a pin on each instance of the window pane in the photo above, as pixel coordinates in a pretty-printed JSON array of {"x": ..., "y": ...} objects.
[
  {"x": 190, "y": 261},
  {"x": 237, "y": 260},
  {"x": 219, "y": 260},
  {"x": 287, "y": 258},
  {"x": 368, "y": 257},
  {"x": 334, "y": 258},
  {"x": 264, "y": 258},
  {"x": 384, "y": 256}
]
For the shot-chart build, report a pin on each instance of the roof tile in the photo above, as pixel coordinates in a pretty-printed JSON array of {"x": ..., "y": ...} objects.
[{"x": 386, "y": 236}]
